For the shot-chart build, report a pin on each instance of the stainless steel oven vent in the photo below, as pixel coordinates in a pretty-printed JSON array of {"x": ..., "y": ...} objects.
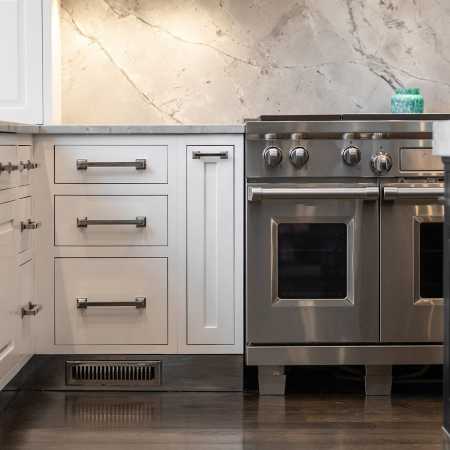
[{"x": 113, "y": 373}]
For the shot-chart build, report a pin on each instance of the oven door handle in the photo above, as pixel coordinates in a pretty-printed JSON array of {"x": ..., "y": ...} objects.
[
  {"x": 394, "y": 193},
  {"x": 366, "y": 193}
]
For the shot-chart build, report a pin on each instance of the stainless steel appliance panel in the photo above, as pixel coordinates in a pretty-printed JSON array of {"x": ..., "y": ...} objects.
[
  {"x": 312, "y": 264},
  {"x": 412, "y": 263}
]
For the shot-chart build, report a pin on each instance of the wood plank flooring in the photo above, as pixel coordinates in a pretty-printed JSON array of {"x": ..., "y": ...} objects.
[{"x": 218, "y": 421}]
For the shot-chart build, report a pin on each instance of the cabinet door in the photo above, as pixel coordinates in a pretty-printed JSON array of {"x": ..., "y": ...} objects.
[
  {"x": 210, "y": 245},
  {"x": 21, "y": 61},
  {"x": 8, "y": 272}
]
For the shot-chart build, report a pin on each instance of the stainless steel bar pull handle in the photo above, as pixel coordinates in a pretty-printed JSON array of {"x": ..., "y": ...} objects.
[
  {"x": 10, "y": 167},
  {"x": 30, "y": 309},
  {"x": 138, "y": 164},
  {"x": 85, "y": 303},
  {"x": 30, "y": 225},
  {"x": 198, "y": 155},
  {"x": 258, "y": 193},
  {"x": 27, "y": 165},
  {"x": 393, "y": 193},
  {"x": 139, "y": 222}
]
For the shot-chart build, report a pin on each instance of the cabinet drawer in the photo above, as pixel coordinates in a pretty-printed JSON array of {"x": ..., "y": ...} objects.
[
  {"x": 8, "y": 160},
  {"x": 72, "y": 229},
  {"x": 100, "y": 164},
  {"x": 103, "y": 281}
]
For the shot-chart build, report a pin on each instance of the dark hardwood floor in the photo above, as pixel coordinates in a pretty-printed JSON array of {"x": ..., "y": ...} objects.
[{"x": 218, "y": 421}]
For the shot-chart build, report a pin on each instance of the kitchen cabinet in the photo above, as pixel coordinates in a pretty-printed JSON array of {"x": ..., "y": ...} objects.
[
  {"x": 131, "y": 258},
  {"x": 210, "y": 245},
  {"x": 21, "y": 80},
  {"x": 184, "y": 255}
]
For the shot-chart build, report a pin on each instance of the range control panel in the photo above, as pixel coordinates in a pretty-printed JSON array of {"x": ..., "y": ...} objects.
[{"x": 274, "y": 156}]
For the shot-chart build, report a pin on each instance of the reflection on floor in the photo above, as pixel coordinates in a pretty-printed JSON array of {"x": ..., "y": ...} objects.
[{"x": 218, "y": 421}]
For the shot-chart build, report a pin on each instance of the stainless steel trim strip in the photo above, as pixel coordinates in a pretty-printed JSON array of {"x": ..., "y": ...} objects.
[
  {"x": 84, "y": 222},
  {"x": 138, "y": 303},
  {"x": 340, "y": 354},
  {"x": 259, "y": 193},
  {"x": 393, "y": 193},
  {"x": 138, "y": 164}
]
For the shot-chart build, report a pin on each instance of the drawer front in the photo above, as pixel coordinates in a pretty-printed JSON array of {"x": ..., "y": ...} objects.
[
  {"x": 23, "y": 214},
  {"x": 9, "y": 167},
  {"x": 139, "y": 164},
  {"x": 103, "y": 281},
  {"x": 71, "y": 228}
]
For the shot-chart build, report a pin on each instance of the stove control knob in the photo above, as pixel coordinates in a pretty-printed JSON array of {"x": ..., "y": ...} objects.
[
  {"x": 351, "y": 155},
  {"x": 298, "y": 156},
  {"x": 272, "y": 156},
  {"x": 381, "y": 163}
]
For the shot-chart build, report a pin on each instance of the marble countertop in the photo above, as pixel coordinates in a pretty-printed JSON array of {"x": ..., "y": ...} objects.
[{"x": 6, "y": 127}]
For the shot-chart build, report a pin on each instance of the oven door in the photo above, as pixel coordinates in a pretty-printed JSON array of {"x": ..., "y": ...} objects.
[
  {"x": 412, "y": 244},
  {"x": 312, "y": 263}
]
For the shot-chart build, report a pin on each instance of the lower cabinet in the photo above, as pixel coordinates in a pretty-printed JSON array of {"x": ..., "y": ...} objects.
[
  {"x": 130, "y": 264},
  {"x": 110, "y": 301}
]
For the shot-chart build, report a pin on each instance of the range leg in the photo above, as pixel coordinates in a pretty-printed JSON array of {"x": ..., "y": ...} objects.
[
  {"x": 272, "y": 380},
  {"x": 378, "y": 380}
]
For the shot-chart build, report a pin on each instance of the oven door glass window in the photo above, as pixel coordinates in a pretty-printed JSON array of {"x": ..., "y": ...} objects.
[
  {"x": 312, "y": 261},
  {"x": 431, "y": 258}
]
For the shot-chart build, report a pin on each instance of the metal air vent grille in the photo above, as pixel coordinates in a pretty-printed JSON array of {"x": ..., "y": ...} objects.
[{"x": 113, "y": 373}]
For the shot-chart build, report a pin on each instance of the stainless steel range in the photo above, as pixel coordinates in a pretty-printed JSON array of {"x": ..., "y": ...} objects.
[{"x": 344, "y": 245}]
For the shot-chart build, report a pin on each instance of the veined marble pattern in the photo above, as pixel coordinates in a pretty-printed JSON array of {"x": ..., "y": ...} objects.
[{"x": 220, "y": 61}]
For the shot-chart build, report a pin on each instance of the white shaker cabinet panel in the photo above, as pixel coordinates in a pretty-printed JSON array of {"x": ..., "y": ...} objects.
[
  {"x": 21, "y": 77},
  {"x": 108, "y": 164},
  {"x": 210, "y": 245},
  {"x": 71, "y": 211},
  {"x": 87, "y": 296},
  {"x": 8, "y": 283}
]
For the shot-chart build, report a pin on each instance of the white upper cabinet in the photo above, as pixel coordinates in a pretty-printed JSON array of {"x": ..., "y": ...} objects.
[{"x": 21, "y": 56}]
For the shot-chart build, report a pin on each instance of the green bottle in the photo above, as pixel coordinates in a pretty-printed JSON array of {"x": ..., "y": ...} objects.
[{"x": 407, "y": 100}]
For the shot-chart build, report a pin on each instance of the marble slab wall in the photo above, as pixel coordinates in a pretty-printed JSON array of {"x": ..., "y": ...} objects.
[{"x": 220, "y": 61}]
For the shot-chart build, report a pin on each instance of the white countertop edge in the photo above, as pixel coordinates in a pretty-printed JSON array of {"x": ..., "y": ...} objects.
[
  {"x": 7, "y": 127},
  {"x": 142, "y": 129},
  {"x": 441, "y": 138},
  {"x": 10, "y": 127}
]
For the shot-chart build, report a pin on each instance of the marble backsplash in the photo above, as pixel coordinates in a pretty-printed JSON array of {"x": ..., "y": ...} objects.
[{"x": 220, "y": 61}]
